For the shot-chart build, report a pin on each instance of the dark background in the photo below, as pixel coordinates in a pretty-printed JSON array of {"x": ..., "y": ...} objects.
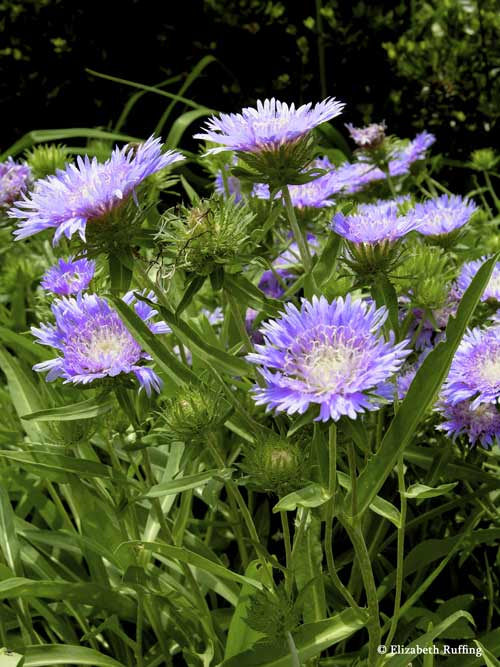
[{"x": 263, "y": 49}]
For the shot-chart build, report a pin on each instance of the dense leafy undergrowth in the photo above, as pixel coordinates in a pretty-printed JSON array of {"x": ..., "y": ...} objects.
[{"x": 255, "y": 420}]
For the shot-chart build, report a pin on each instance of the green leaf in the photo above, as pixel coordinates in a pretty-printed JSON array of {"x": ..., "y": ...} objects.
[
  {"x": 151, "y": 89},
  {"x": 187, "y": 335},
  {"x": 427, "y": 638},
  {"x": 308, "y": 572},
  {"x": 420, "y": 396},
  {"x": 384, "y": 294},
  {"x": 240, "y": 636},
  {"x": 9, "y": 543},
  {"x": 179, "y": 373},
  {"x": 23, "y": 390},
  {"x": 488, "y": 657},
  {"x": 44, "y": 461},
  {"x": 194, "y": 73},
  {"x": 312, "y": 495},
  {"x": 182, "y": 123},
  {"x": 184, "y": 483},
  {"x": 93, "y": 407},
  {"x": 63, "y": 654},
  {"x": 423, "y": 491},
  {"x": 20, "y": 343},
  {"x": 325, "y": 268},
  {"x": 82, "y": 592},
  {"x": 186, "y": 556},
  {"x": 193, "y": 288},
  {"x": 310, "y": 639},
  {"x": 379, "y": 505},
  {"x": 120, "y": 270},
  {"x": 247, "y": 293},
  {"x": 10, "y": 659}
]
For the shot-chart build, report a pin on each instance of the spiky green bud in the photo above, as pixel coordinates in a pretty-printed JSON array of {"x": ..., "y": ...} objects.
[
  {"x": 484, "y": 159},
  {"x": 275, "y": 464},
  {"x": 424, "y": 275},
  {"x": 194, "y": 412},
  {"x": 207, "y": 236},
  {"x": 45, "y": 159}
]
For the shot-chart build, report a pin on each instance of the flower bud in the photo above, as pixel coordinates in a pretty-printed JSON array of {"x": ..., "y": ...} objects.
[
  {"x": 208, "y": 236},
  {"x": 193, "y": 413},
  {"x": 275, "y": 464},
  {"x": 46, "y": 159},
  {"x": 484, "y": 159}
]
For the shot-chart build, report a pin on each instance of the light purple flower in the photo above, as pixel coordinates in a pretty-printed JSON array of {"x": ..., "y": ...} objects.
[
  {"x": 369, "y": 136},
  {"x": 374, "y": 223},
  {"x": 68, "y": 277},
  {"x": 481, "y": 424},
  {"x": 354, "y": 176},
  {"x": 329, "y": 354},
  {"x": 475, "y": 370},
  {"x": 265, "y": 128},
  {"x": 432, "y": 331},
  {"x": 407, "y": 374},
  {"x": 14, "y": 180},
  {"x": 284, "y": 268},
  {"x": 94, "y": 343},
  {"x": 214, "y": 316},
  {"x": 469, "y": 270},
  {"x": 415, "y": 150},
  {"x": 315, "y": 194},
  {"x": 233, "y": 183},
  {"x": 88, "y": 191},
  {"x": 442, "y": 215}
]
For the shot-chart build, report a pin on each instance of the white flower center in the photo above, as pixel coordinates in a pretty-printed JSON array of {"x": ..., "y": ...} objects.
[
  {"x": 327, "y": 367},
  {"x": 490, "y": 371},
  {"x": 107, "y": 346}
]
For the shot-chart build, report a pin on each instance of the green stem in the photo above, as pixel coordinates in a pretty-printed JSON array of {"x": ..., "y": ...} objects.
[
  {"x": 305, "y": 255},
  {"x": 139, "y": 629},
  {"x": 373, "y": 625},
  {"x": 205, "y": 616},
  {"x": 351, "y": 455},
  {"x": 234, "y": 493},
  {"x": 294, "y": 654},
  {"x": 330, "y": 513},
  {"x": 288, "y": 552},
  {"x": 492, "y": 191},
  {"x": 400, "y": 553},
  {"x": 235, "y": 311}
]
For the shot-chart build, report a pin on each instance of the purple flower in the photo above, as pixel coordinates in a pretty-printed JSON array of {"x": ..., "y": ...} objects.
[
  {"x": 94, "y": 343},
  {"x": 315, "y": 194},
  {"x": 432, "y": 331},
  {"x": 475, "y": 370},
  {"x": 233, "y": 183},
  {"x": 88, "y": 191},
  {"x": 351, "y": 177},
  {"x": 330, "y": 354},
  {"x": 265, "y": 128},
  {"x": 415, "y": 150},
  {"x": 367, "y": 137},
  {"x": 284, "y": 268},
  {"x": 69, "y": 277},
  {"x": 374, "y": 223},
  {"x": 407, "y": 374},
  {"x": 214, "y": 316},
  {"x": 14, "y": 180},
  {"x": 469, "y": 270},
  {"x": 481, "y": 424},
  {"x": 442, "y": 215}
]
